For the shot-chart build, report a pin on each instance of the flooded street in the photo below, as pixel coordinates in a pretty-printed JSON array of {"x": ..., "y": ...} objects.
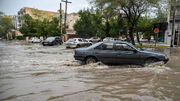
[{"x": 32, "y": 72}]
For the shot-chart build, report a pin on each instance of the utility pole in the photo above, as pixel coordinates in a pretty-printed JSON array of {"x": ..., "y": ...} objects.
[
  {"x": 60, "y": 18},
  {"x": 173, "y": 24},
  {"x": 66, "y": 2}
]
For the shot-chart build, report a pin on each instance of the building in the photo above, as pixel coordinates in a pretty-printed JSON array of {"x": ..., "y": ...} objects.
[
  {"x": 169, "y": 31},
  {"x": 34, "y": 13},
  {"x": 71, "y": 20},
  {"x": 15, "y": 22},
  {"x": 41, "y": 14}
]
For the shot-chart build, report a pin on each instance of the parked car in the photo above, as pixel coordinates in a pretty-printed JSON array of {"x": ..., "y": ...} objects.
[
  {"x": 117, "y": 52},
  {"x": 108, "y": 39},
  {"x": 77, "y": 42},
  {"x": 52, "y": 41},
  {"x": 94, "y": 39},
  {"x": 34, "y": 40}
]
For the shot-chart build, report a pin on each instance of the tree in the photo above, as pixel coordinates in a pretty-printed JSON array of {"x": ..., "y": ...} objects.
[
  {"x": 36, "y": 27},
  {"x": 89, "y": 24},
  {"x": 133, "y": 9},
  {"x": 53, "y": 27},
  {"x": 5, "y": 24}
]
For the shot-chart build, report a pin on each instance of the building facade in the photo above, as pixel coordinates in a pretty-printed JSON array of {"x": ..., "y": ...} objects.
[
  {"x": 176, "y": 35},
  {"x": 71, "y": 20},
  {"x": 34, "y": 13}
]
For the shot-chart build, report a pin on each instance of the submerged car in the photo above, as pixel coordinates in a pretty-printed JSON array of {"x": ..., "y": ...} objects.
[
  {"x": 118, "y": 52},
  {"x": 34, "y": 40},
  {"x": 50, "y": 41},
  {"x": 77, "y": 42}
]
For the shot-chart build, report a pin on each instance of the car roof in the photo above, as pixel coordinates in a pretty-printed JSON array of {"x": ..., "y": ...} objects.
[{"x": 116, "y": 41}]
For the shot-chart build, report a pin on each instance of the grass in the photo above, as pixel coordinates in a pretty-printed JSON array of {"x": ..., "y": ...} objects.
[{"x": 151, "y": 46}]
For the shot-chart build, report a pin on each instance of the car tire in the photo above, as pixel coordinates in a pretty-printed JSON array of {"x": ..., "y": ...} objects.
[
  {"x": 150, "y": 60},
  {"x": 77, "y": 46},
  {"x": 91, "y": 60}
]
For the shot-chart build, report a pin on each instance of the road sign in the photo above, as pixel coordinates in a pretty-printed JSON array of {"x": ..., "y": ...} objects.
[{"x": 156, "y": 30}]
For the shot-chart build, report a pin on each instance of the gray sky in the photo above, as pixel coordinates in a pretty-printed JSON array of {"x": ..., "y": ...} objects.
[{"x": 11, "y": 7}]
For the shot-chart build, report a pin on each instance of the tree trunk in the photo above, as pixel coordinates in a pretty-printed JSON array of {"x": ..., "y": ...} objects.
[
  {"x": 131, "y": 32},
  {"x": 137, "y": 34},
  {"x": 107, "y": 29}
]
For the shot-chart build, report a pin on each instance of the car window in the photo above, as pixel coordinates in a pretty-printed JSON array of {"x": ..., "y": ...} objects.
[
  {"x": 71, "y": 40},
  {"x": 123, "y": 47},
  {"x": 57, "y": 38},
  {"x": 105, "y": 46},
  {"x": 84, "y": 40},
  {"x": 50, "y": 38},
  {"x": 80, "y": 40}
]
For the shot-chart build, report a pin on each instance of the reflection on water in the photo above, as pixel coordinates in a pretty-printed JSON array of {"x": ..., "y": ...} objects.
[{"x": 31, "y": 72}]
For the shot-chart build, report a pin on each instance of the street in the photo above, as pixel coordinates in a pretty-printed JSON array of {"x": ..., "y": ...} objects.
[{"x": 33, "y": 72}]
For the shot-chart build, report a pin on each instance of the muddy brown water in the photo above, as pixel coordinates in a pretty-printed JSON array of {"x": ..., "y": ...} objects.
[{"x": 31, "y": 72}]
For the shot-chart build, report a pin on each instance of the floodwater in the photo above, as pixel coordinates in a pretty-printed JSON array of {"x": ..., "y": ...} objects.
[{"x": 32, "y": 72}]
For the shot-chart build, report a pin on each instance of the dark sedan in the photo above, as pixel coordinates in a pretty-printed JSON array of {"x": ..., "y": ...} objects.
[
  {"x": 50, "y": 41},
  {"x": 118, "y": 52}
]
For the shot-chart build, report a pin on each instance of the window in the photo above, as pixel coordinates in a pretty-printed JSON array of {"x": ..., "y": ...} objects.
[
  {"x": 71, "y": 40},
  {"x": 105, "y": 46},
  {"x": 84, "y": 40},
  {"x": 80, "y": 40},
  {"x": 123, "y": 47}
]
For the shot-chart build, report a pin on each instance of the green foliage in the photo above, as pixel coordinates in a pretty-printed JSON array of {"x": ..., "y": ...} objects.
[
  {"x": 5, "y": 24},
  {"x": 89, "y": 24},
  {"x": 34, "y": 27},
  {"x": 20, "y": 37},
  {"x": 133, "y": 9}
]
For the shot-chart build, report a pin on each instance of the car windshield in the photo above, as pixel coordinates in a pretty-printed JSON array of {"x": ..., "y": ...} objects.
[
  {"x": 71, "y": 40},
  {"x": 50, "y": 38},
  {"x": 33, "y": 38}
]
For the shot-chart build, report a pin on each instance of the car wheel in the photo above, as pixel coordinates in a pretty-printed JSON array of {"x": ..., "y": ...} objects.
[
  {"x": 150, "y": 60},
  {"x": 78, "y": 46},
  {"x": 90, "y": 60}
]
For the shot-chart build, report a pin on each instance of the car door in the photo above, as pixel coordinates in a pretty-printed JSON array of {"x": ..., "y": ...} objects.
[
  {"x": 80, "y": 42},
  {"x": 85, "y": 42},
  {"x": 126, "y": 54},
  {"x": 105, "y": 53}
]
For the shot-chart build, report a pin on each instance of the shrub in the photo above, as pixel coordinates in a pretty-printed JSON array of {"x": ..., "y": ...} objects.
[{"x": 20, "y": 37}]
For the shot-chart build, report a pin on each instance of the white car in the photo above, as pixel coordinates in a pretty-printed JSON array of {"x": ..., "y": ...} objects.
[
  {"x": 94, "y": 39},
  {"x": 34, "y": 40},
  {"x": 108, "y": 39},
  {"x": 77, "y": 42}
]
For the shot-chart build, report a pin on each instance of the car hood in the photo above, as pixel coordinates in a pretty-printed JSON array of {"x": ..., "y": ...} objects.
[
  {"x": 82, "y": 49},
  {"x": 152, "y": 52}
]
